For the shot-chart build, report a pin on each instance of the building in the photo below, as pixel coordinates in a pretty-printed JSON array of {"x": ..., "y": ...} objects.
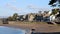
[{"x": 31, "y": 17}]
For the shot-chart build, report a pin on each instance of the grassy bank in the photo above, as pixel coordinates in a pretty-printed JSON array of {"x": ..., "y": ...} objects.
[{"x": 24, "y": 22}]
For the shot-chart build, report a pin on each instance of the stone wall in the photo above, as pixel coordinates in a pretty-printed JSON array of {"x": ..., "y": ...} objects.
[{"x": 12, "y": 22}]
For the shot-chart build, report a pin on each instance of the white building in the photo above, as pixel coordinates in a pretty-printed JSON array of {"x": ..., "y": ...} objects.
[{"x": 52, "y": 17}]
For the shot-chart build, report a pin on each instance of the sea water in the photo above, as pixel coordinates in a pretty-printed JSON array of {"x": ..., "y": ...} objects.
[{"x": 8, "y": 30}]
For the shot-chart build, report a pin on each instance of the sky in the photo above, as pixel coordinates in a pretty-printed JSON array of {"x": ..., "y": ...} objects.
[{"x": 9, "y": 7}]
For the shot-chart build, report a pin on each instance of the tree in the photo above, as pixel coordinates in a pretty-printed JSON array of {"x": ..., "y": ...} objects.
[
  {"x": 54, "y": 3},
  {"x": 15, "y": 15},
  {"x": 13, "y": 18},
  {"x": 54, "y": 11},
  {"x": 10, "y": 18}
]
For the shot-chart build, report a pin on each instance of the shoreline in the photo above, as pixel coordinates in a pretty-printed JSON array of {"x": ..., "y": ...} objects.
[
  {"x": 40, "y": 28},
  {"x": 27, "y": 31},
  {"x": 43, "y": 28}
]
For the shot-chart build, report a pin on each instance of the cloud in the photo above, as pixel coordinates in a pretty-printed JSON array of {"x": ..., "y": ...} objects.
[
  {"x": 14, "y": 0},
  {"x": 31, "y": 6},
  {"x": 13, "y": 7}
]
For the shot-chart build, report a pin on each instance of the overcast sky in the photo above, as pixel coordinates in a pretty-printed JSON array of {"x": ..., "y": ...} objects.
[{"x": 9, "y": 7}]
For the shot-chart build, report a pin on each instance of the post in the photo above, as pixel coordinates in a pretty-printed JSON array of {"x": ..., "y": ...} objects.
[{"x": 32, "y": 31}]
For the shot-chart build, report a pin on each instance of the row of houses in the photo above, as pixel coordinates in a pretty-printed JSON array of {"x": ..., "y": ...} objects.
[
  {"x": 38, "y": 17},
  {"x": 45, "y": 17}
]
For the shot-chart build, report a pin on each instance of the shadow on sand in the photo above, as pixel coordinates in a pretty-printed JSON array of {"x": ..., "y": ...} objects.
[
  {"x": 46, "y": 33},
  {"x": 43, "y": 32}
]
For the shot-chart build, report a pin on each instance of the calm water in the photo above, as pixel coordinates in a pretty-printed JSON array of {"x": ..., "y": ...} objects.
[{"x": 7, "y": 30}]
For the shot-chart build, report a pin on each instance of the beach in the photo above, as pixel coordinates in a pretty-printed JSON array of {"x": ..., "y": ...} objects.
[{"x": 39, "y": 27}]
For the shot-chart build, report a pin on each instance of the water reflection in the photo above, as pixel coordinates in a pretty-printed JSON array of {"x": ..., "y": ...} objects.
[{"x": 7, "y": 30}]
